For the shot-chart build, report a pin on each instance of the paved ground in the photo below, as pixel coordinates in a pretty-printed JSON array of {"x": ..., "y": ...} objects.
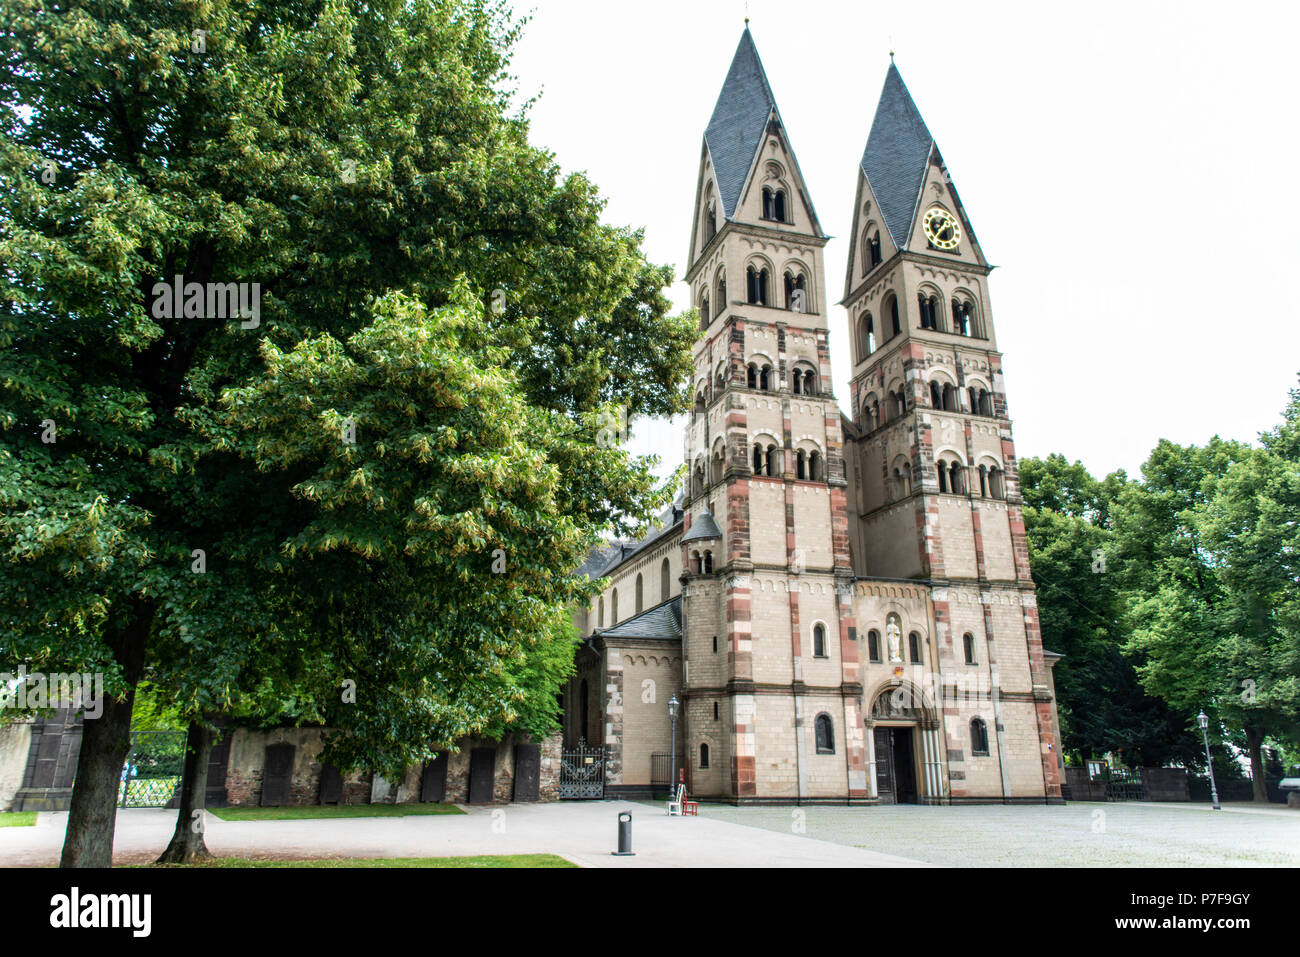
[
  {"x": 1140, "y": 835},
  {"x": 584, "y": 832},
  {"x": 1137, "y": 834}
]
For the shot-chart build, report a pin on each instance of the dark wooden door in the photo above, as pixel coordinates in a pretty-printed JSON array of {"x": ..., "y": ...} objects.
[
  {"x": 885, "y": 765},
  {"x": 331, "y": 785},
  {"x": 218, "y": 760},
  {"x": 904, "y": 766},
  {"x": 482, "y": 765},
  {"x": 277, "y": 775},
  {"x": 433, "y": 786},
  {"x": 528, "y": 771}
]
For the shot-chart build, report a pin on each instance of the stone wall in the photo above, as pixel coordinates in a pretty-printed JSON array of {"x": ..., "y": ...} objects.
[
  {"x": 15, "y": 742},
  {"x": 248, "y": 758}
]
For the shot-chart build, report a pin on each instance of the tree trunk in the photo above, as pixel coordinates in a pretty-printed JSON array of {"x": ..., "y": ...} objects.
[
  {"x": 187, "y": 843},
  {"x": 105, "y": 743},
  {"x": 1255, "y": 748}
]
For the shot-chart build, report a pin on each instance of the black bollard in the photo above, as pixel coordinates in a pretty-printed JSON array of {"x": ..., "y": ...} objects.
[{"x": 624, "y": 835}]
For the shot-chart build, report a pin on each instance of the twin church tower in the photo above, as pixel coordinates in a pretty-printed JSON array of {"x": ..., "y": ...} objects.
[{"x": 841, "y": 609}]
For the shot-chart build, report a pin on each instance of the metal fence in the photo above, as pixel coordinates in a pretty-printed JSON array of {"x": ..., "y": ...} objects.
[
  {"x": 152, "y": 772},
  {"x": 660, "y": 773}
]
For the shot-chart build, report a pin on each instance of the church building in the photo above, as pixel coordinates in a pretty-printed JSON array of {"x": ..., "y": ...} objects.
[{"x": 840, "y": 609}]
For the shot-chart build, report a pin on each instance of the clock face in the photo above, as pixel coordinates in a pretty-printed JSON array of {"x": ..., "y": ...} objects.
[{"x": 941, "y": 228}]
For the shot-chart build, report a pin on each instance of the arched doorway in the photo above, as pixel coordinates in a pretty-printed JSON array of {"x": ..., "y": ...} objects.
[{"x": 900, "y": 723}]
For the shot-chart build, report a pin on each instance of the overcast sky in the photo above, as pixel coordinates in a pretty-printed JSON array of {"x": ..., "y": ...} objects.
[{"x": 1126, "y": 167}]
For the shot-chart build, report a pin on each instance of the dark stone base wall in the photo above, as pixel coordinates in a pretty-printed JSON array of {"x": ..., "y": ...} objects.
[{"x": 248, "y": 755}]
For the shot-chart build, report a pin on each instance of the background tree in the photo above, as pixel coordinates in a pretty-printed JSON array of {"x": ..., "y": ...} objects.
[
  {"x": 1077, "y": 568},
  {"x": 1251, "y": 529},
  {"x": 332, "y": 153}
]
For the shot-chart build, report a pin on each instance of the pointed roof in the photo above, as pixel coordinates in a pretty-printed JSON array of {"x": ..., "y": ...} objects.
[
  {"x": 702, "y": 529},
  {"x": 662, "y": 621},
  {"x": 739, "y": 121},
  {"x": 897, "y": 153}
]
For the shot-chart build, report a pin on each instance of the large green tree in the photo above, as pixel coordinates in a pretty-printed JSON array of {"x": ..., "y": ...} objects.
[
  {"x": 182, "y": 493},
  {"x": 1251, "y": 528},
  {"x": 1078, "y": 569}
]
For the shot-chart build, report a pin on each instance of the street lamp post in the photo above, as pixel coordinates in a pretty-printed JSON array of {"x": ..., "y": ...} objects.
[
  {"x": 1204, "y": 722},
  {"x": 672, "y": 748}
]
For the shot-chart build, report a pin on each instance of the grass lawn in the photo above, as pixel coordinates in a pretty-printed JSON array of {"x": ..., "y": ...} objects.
[
  {"x": 503, "y": 860},
  {"x": 331, "y": 811},
  {"x": 18, "y": 819}
]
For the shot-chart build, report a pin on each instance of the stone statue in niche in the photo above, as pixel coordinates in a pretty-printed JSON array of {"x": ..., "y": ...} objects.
[{"x": 894, "y": 635}]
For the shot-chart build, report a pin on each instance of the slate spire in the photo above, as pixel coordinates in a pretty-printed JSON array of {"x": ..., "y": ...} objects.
[
  {"x": 897, "y": 153},
  {"x": 739, "y": 121}
]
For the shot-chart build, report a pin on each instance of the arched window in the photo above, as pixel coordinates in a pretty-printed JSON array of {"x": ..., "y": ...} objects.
[
  {"x": 715, "y": 704},
  {"x": 708, "y": 563},
  {"x": 696, "y": 565},
  {"x": 774, "y": 466},
  {"x": 896, "y": 327},
  {"x": 914, "y": 648},
  {"x": 867, "y": 336},
  {"x": 825, "y": 734},
  {"x": 751, "y": 376},
  {"x": 774, "y": 204},
  {"x": 957, "y": 478},
  {"x": 997, "y": 486},
  {"x": 903, "y": 481},
  {"x": 800, "y": 465},
  {"x": 759, "y": 460},
  {"x": 719, "y": 464},
  {"x": 639, "y": 593},
  {"x": 810, "y": 382},
  {"x": 950, "y": 398},
  {"x": 814, "y": 466},
  {"x": 936, "y": 395},
  {"x": 942, "y": 469},
  {"x": 875, "y": 249},
  {"x": 710, "y": 221},
  {"x": 873, "y": 645},
  {"x": 765, "y": 378},
  {"x": 613, "y": 607},
  {"x": 665, "y": 581},
  {"x": 699, "y": 400},
  {"x": 968, "y": 647},
  {"x": 600, "y": 620},
  {"x": 985, "y": 402},
  {"x": 872, "y": 412},
  {"x": 704, "y": 756},
  {"x": 819, "y": 641},
  {"x": 979, "y": 737},
  {"x": 704, "y": 313},
  {"x": 796, "y": 292},
  {"x": 900, "y": 403},
  {"x": 756, "y": 280},
  {"x": 984, "y": 481},
  {"x": 929, "y": 306}
]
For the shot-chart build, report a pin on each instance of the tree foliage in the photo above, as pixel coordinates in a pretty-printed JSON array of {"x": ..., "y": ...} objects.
[{"x": 176, "y": 499}]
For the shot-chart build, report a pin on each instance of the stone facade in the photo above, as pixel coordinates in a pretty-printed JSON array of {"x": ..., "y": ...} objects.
[
  {"x": 247, "y": 762},
  {"x": 862, "y": 625}
]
